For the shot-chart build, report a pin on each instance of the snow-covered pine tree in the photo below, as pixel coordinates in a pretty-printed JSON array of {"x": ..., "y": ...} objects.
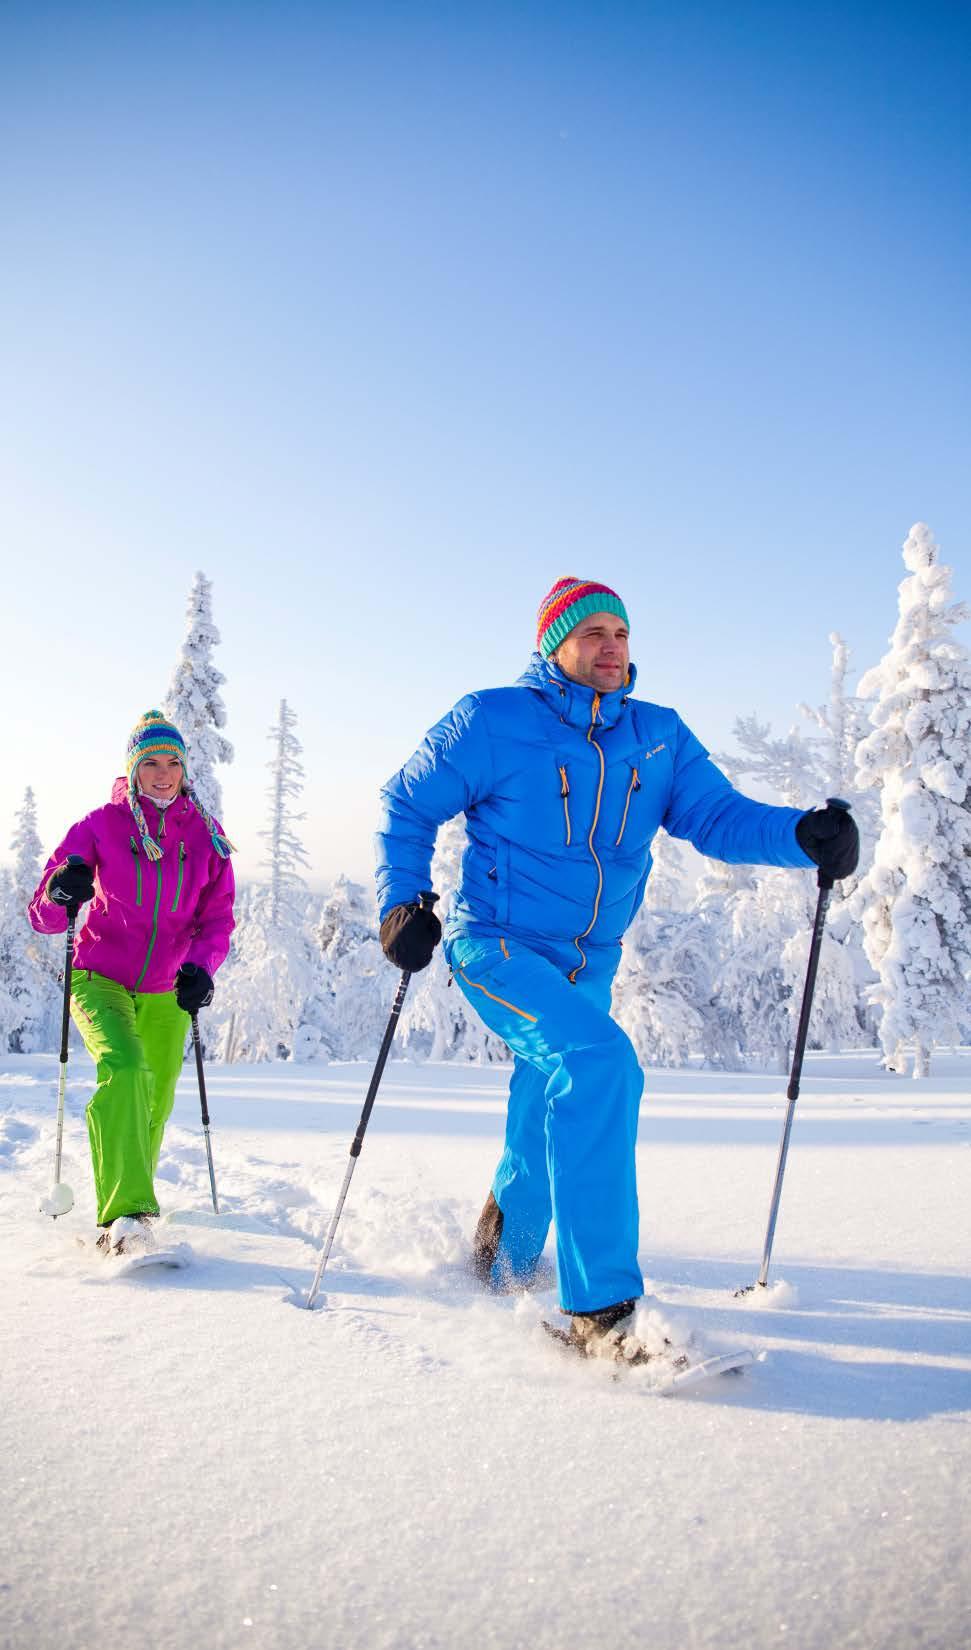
[
  {"x": 264, "y": 987},
  {"x": 664, "y": 992},
  {"x": 28, "y": 967},
  {"x": 667, "y": 885},
  {"x": 355, "y": 985},
  {"x": 10, "y": 1011},
  {"x": 286, "y": 853},
  {"x": 916, "y": 898},
  {"x": 437, "y": 1022},
  {"x": 194, "y": 702},
  {"x": 792, "y": 767},
  {"x": 844, "y": 721},
  {"x": 762, "y": 970},
  {"x": 269, "y": 988}
]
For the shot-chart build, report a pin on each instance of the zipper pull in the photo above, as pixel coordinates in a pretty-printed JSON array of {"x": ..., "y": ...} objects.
[
  {"x": 637, "y": 780},
  {"x": 565, "y": 787}
]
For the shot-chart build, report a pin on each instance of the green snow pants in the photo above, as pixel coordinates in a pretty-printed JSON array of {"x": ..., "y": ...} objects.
[{"x": 137, "y": 1041}]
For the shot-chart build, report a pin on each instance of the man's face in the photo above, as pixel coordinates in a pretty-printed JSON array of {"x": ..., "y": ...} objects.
[{"x": 596, "y": 652}]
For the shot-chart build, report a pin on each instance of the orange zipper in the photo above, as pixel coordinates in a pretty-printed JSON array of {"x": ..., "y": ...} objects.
[
  {"x": 634, "y": 785},
  {"x": 596, "y": 815},
  {"x": 565, "y": 793}
]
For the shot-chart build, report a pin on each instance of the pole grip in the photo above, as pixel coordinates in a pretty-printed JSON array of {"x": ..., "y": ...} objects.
[{"x": 823, "y": 881}]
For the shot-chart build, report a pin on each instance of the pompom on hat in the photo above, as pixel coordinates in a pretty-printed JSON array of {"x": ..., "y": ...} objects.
[
  {"x": 571, "y": 600},
  {"x": 154, "y": 735}
]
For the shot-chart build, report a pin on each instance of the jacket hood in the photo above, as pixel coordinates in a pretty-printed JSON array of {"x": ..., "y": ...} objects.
[{"x": 572, "y": 701}]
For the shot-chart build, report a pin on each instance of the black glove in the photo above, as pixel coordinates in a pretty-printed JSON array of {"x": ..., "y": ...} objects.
[
  {"x": 193, "y": 988},
  {"x": 830, "y": 837},
  {"x": 73, "y": 884},
  {"x": 409, "y": 935}
]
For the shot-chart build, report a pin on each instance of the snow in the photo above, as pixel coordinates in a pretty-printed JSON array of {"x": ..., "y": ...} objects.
[{"x": 192, "y": 1459}]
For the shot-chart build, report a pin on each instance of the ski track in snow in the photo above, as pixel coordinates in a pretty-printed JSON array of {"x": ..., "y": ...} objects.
[{"x": 416, "y": 1464}]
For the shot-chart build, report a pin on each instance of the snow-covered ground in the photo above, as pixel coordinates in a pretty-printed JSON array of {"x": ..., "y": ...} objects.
[{"x": 190, "y": 1460}]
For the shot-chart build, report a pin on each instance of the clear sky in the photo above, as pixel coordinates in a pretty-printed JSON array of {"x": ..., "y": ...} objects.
[{"x": 386, "y": 316}]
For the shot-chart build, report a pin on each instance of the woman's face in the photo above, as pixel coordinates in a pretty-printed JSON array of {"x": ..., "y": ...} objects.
[{"x": 160, "y": 776}]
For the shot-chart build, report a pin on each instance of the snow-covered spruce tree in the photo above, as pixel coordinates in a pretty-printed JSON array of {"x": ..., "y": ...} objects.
[
  {"x": 272, "y": 974},
  {"x": 792, "y": 767},
  {"x": 664, "y": 992},
  {"x": 437, "y": 1022},
  {"x": 916, "y": 899},
  {"x": 844, "y": 721},
  {"x": 194, "y": 702},
  {"x": 10, "y": 1013},
  {"x": 355, "y": 984},
  {"x": 286, "y": 855},
  {"x": 667, "y": 885},
  {"x": 260, "y": 1007},
  {"x": 28, "y": 967}
]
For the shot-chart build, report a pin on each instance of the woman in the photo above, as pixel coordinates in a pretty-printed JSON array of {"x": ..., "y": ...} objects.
[{"x": 156, "y": 869}]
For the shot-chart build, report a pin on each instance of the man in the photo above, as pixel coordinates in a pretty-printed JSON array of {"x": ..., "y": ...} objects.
[{"x": 564, "y": 779}]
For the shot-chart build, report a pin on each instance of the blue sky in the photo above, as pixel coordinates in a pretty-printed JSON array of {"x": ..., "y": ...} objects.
[{"x": 386, "y": 316}]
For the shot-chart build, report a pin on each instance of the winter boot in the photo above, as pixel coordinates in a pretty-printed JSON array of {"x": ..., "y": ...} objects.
[
  {"x": 132, "y": 1235},
  {"x": 485, "y": 1244},
  {"x": 607, "y": 1333}
]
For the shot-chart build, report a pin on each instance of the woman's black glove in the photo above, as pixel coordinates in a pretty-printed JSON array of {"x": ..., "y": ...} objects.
[
  {"x": 409, "y": 935},
  {"x": 193, "y": 988},
  {"x": 830, "y": 837},
  {"x": 73, "y": 884}
]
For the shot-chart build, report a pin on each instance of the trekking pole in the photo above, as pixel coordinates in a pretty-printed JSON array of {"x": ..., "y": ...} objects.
[
  {"x": 427, "y": 902},
  {"x": 61, "y": 1200},
  {"x": 825, "y": 885},
  {"x": 205, "y": 1109}
]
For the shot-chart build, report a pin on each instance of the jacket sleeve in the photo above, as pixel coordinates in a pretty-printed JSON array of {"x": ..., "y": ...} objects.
[
  {"x": 214, "y": 921},
  {"x": 450, "y": 771},
  {"x": 45, "y": 916},
  {"x": 706, "y": 810}
]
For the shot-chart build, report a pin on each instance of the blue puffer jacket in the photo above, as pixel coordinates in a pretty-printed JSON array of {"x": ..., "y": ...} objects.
[{"x": 563, "y": 791}]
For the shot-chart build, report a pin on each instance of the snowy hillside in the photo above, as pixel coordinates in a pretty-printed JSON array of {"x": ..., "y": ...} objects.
[{"x": 191, "y": 1460}]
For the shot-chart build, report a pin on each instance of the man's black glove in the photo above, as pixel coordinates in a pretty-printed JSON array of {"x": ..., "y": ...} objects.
[
  {"x": 409, "y": 935},
  {"x": 73, "y": 884},
  {"x": 830, "y": 837},
  {"x": 193, "y": 988}
]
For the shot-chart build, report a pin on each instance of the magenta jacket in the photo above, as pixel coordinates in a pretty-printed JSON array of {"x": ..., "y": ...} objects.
[{"x": 147, "y": 917}]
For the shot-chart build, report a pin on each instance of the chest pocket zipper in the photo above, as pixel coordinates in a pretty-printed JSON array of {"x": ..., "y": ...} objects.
[
  {"x": 138, "y": 871},
  {"x": 178, "y": 886},
  {"x": 565, "y": 794},
  {"x": 635, "y": 785}
]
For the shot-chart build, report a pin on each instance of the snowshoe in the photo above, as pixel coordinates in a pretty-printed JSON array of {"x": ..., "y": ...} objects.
[
  {"x": 608, "y": 1334},
  {"x": 130, "y": 1235}
]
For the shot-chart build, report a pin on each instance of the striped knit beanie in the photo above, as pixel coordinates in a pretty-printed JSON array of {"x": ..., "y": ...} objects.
[
  {"x": 154, "y": 735},
  {"x": 569, "y": 601}
]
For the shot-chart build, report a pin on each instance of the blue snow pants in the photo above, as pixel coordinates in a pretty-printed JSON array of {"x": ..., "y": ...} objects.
[{"x": 571, "y": 1125}]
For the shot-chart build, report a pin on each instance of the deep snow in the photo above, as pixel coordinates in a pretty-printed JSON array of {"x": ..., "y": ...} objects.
[{"x": 191, "y": 1460}]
